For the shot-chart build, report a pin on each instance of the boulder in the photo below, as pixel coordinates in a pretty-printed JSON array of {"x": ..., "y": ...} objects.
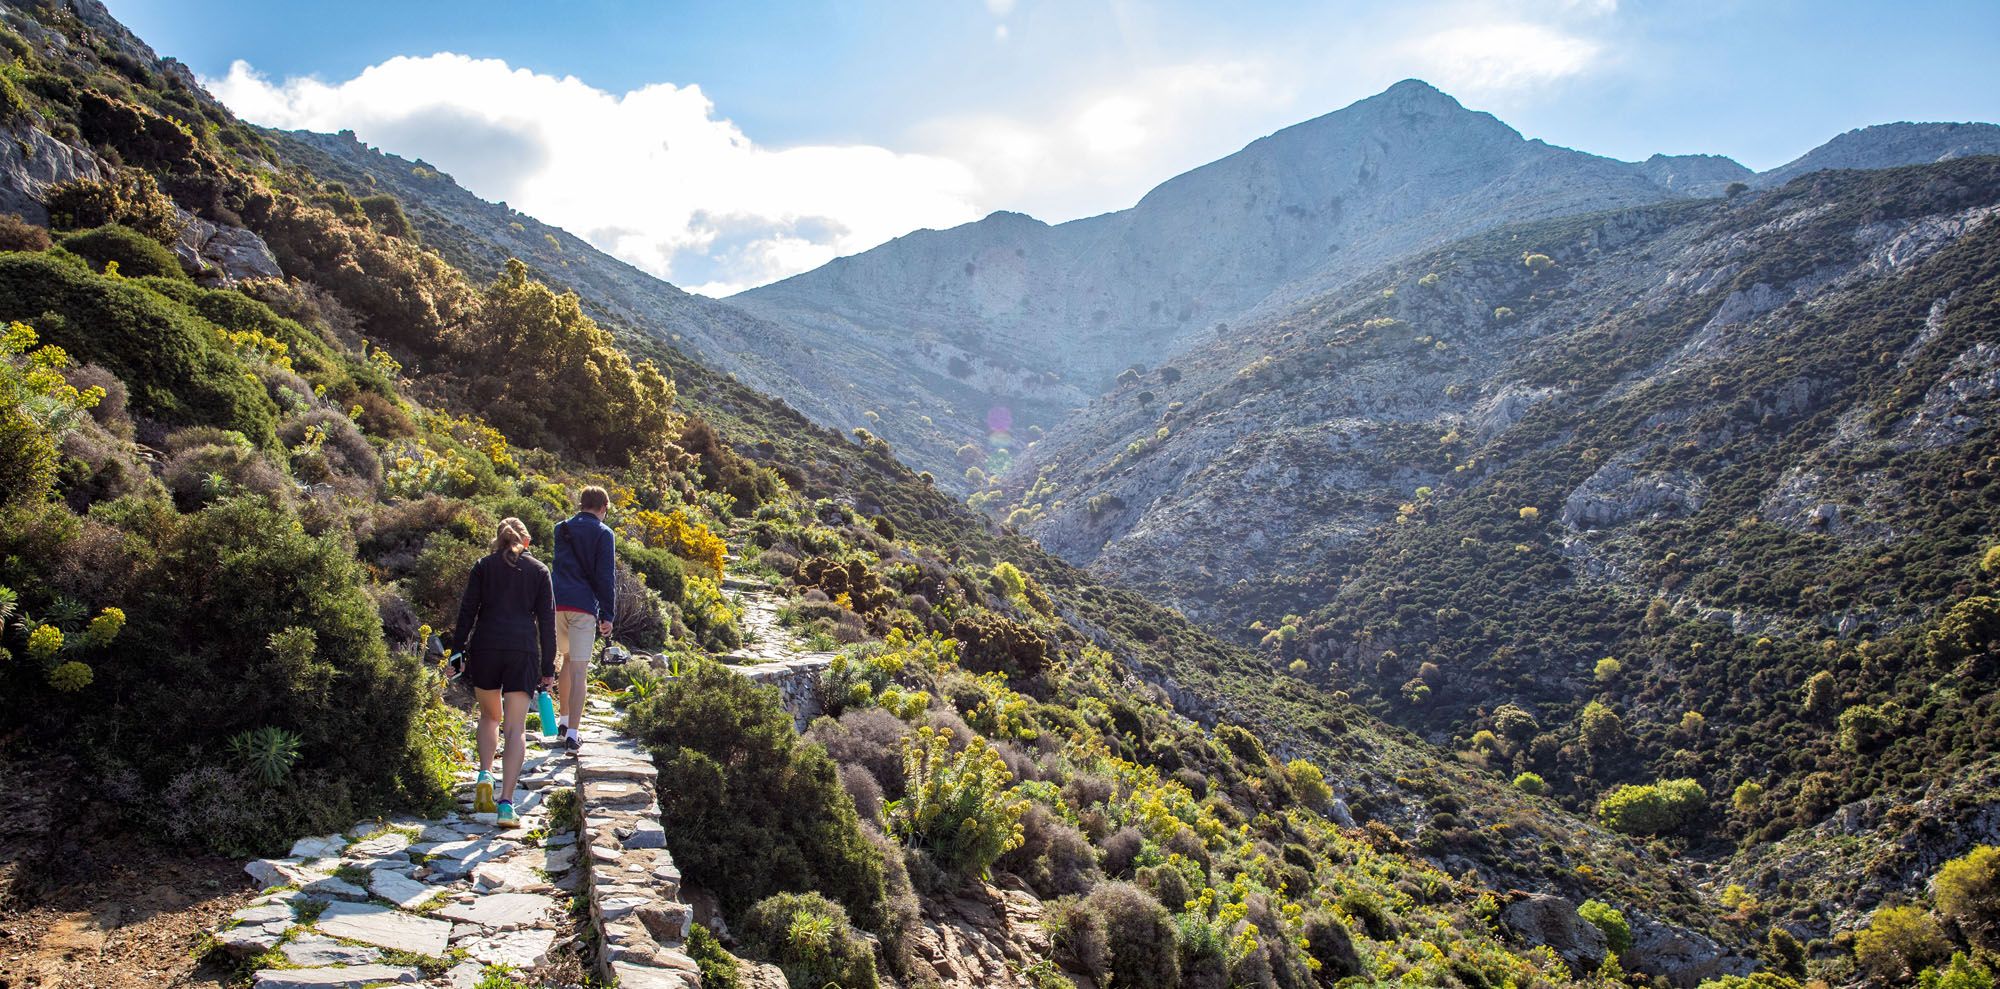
[
  {"x": 1682, "y": 957},
  {"x": 1539, "y": 919}
]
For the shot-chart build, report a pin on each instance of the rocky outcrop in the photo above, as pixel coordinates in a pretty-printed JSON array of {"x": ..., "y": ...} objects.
[
  {"x": 1684, "y": 958},
  {"x": 30, "y": 162},
  {"x": 983, "y": 935},
  {"x": 1541, "y": 920},
  {"x": 222, "y": 256},
  {"x": 1617, "y": 494}
]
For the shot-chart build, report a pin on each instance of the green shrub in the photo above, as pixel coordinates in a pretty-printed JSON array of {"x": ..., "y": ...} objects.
[
  {"x": 246, "y": 622},
  {"x": 137, "y": 254},
  {"x": 660, "y": 567},
  {"x": 1531, "y": 784},
  {"x": 1610, "y": 920},
  {"x": 1329, "y": 942},
  {"x": 385, "y": 213},
  {"x": 750, "y": 811},
  {"x": 1898, "y": 942},
  {"x": 17, "y": 234},
  {"x": 1139, "y": 937},
  {"x": 957, "y": 810},
  {"x": 169, "y": 358},
  {"x": 809, "y": 937},
  {"x": 994, "y": 643},
  {"x": 1960, "y": 973},
  {"x": 719, "y": 969},
  {"x": 1968, "y": 892},
  {"x": 1654, "y": 808}
]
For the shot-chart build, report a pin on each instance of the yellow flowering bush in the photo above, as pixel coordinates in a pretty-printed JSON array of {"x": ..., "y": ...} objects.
[
  {"x": 71, "y": 677},
  {"x": 681, "y": 536},
  {"x": 959, "y": 809},
  {"x": 417, "y": 470},
  {"x": 44, "y": 643}
]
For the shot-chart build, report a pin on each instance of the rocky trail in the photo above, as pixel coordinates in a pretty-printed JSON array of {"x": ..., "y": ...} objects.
[{"x": 441, "y": 901}]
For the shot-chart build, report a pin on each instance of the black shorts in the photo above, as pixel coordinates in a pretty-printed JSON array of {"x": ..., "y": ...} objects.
[{"x": 506, "y": 670}]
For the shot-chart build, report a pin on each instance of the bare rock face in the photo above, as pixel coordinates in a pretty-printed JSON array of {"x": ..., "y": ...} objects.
[
  {"x": 1681, "y": 956},
  {"x": 223, "y": 256},
  {"x": 985, "y": 935},
  {"x": 1617, "y": 494},
  {"x": 31, "y": 161},
  {"x": 1539, "y": 919}
]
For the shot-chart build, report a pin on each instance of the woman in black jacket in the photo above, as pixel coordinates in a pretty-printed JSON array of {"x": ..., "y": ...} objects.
[{"x": 507, "y": 628}]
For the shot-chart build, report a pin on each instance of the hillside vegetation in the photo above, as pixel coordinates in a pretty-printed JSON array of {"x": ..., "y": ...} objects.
[{"x": 234, "y": 505}]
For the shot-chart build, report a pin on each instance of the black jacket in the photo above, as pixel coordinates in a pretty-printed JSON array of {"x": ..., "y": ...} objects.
[{"x": 509, "y": 605}]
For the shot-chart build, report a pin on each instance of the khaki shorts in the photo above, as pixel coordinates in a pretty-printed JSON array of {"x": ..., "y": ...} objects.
[{"x": 576, "y": 636}]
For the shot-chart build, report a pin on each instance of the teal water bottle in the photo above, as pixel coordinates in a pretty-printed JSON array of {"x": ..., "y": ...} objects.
[{"x": 546, "y": 707}]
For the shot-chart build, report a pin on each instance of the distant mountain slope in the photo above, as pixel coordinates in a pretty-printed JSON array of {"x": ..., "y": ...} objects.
[
  {"x": 1890, "y": 145},
  {"x": 1732, "y": 444},
  {"x": 1036, "y": 317}
]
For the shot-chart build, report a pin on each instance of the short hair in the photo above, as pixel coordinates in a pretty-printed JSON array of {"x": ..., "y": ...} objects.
[{"x": 593, "y": 498}]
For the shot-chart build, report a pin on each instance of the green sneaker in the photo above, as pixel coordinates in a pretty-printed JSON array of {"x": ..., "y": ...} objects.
[
  {"x": 482, "y": 795},
  {"x": 505, "y": 818}
]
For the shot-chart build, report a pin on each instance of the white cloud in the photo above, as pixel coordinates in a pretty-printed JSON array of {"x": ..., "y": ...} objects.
[
  {"x": 652, "y": 176},
  {"x": 1102, "y": 147},
  {"x": 1485, "y": 59}
]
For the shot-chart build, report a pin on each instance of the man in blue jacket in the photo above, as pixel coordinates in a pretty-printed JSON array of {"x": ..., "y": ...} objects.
[{"x": 586, "y": 600}]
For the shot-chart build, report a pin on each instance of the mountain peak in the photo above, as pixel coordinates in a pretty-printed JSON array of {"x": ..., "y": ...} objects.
[{"x": 1414, "y": 92}]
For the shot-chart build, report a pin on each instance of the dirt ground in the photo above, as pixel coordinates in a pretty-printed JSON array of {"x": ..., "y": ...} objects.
[{"x": 85, "y": 906}]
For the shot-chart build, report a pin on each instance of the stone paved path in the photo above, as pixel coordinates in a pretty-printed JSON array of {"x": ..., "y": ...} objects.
[
  {"x": 772, "y": 654},
  {"x": 385, "y": 899}
]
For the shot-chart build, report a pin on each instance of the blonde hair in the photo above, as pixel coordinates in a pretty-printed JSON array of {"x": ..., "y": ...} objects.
[{"x": 511, "y": 536}]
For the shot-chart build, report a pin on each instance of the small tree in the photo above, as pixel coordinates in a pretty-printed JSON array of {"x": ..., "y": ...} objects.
[
  {"x": 1899, "y": 941},
  {"x": 1968, "y": 892},
  {"x": 1734, "y": 189},
  {"x": 1599, "y": 726},
  {"x": 1610, "y": 920}
]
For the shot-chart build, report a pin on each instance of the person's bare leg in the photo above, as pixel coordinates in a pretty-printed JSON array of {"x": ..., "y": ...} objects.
[
  {"x": 489, "y": 727},
  {"x": 517, "y": 743},
  {"x": 576, "y": 677}
]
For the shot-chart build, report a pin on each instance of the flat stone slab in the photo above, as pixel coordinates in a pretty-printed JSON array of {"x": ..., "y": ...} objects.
[
  {"x": 314, "y": 951},
  {"x": 332, "y": 888},
  {"x": 255, "y": 915},
  {"x": 556, "y": 860},
  {"x": 464, "y": 975},
  {"x": 327, "y": 846},
  {"x": 643, "y": 834},
  {"x": 352, "y": 977},
  {"x": 283, "y": 872},
  {"x": 376, "y": 847},
  {"x": 399, "y": 889},
  {"x": 457, "y": 858},
  {"x": 521, "y": 949},
  {"x": 502, "y": 910},
  {"x": 515, "y": 873},
  {"x": 372, "y": 923},
  {"x": 254, "y": 939}
]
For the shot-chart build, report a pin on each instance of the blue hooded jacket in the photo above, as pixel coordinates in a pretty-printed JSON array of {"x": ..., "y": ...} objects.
[{"x": 583, "y": 573}]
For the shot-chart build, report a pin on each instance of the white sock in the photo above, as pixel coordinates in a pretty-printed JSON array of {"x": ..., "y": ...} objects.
[{"x": 573, "y": 734}]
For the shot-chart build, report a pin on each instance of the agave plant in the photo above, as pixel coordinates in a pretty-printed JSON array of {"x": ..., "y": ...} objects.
[{"x": 267, "y": 752}]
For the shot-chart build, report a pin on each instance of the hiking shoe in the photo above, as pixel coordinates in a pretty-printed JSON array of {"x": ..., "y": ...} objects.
[
  {"x": 573, "y": 741},
  {"x": 505, "y": 816},
  {"x": 482, "y": 798}
]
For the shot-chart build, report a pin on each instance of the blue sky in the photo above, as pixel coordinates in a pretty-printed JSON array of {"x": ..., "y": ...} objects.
[{"x": 726, "y": 144}]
